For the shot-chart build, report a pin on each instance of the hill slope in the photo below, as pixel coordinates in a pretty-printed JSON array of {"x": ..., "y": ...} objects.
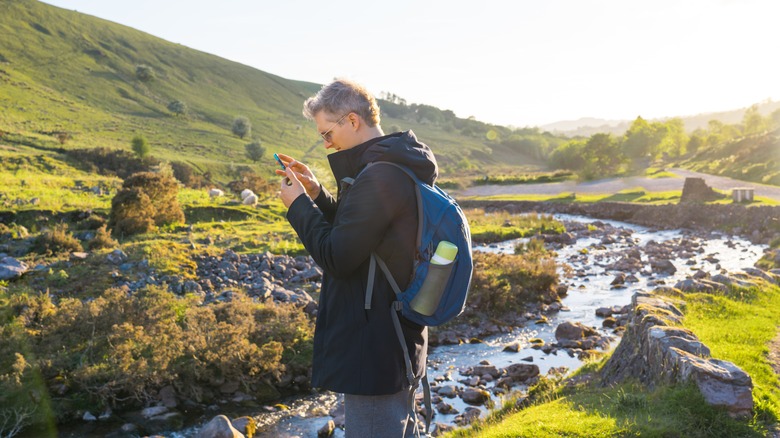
[{"x": 63, "y": 71}]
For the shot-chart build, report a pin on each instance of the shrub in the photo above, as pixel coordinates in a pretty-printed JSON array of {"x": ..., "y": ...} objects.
[
  {"x": 144, "y": 73},
  {"x": 132, "y": 212},
  {"x": 102, "y": 239},
  {"x": 56, "y": 241},
  {"x": 185, "y": 174},
  {"x": 241, "y": 127},
  {"x": 251, "y": 181},
  {"x": 140, "y": 146},
  {"x": 146, "y": 199},
  {"x": 505, "y": 283},
  {"x": 107, "y": 161}
]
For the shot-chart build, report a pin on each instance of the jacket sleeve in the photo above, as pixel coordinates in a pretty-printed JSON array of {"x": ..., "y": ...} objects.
[
  {"x": 364, "y": 215},
  {"x": 326, "y": 203}
]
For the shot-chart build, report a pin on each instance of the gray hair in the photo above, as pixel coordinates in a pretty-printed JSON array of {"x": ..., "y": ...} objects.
[{"x": 341, "y": 97}]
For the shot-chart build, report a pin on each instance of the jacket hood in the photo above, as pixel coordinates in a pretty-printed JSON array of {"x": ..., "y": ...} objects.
[{"x": 401, "y": 148}]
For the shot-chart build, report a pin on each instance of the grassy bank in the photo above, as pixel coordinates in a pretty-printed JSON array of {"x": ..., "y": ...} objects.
[{"x": 737, "y": 327}]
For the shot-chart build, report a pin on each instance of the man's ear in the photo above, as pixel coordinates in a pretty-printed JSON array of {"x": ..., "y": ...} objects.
[{"x": 354, "y": 120}]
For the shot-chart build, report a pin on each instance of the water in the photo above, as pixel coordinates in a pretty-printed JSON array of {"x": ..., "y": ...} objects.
[{"x": 589, "y": 289}]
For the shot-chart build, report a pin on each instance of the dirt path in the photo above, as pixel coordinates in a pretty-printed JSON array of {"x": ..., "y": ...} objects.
[{"x": 614, "y": 185}]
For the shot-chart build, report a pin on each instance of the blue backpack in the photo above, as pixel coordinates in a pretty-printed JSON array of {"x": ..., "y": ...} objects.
[{"x": 440, "y": 219}]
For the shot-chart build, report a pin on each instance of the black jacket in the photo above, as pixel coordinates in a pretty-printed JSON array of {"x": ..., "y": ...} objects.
[{"x": 357, "y": 351}]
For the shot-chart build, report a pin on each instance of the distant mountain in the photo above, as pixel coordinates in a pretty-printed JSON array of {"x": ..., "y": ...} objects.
[{"x": 588, "y": 126}]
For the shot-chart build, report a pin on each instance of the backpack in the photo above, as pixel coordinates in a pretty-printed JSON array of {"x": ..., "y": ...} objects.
[{"x": 440, "y": 218}]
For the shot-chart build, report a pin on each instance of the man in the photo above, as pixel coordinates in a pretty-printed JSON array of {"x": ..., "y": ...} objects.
[{"x": 356, "y": 350}]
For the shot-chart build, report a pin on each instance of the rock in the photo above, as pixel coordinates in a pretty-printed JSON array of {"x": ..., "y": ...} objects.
[
  {"x": 219, "y": 427},
  {"x": 117, "y": 257},
  {"x": 604, "y": 312},
  {"x": 167, "y": 396},
  {"x": 475, "y": 396},
  {"x": 448, "y": 391},
  {"x": 655, "y": 350},
  {"x": 327, "y": 429},
  {"x": 573, "y": 330},
  {"x": 215, "y": 193},
  {"x": 512, "y": 347},
  {"x": 153, "y": 411},
  {"x": 481, "y": 370},
  {"x": 520, "y": 372},
  {"x": 662, "y": 266},
  {"x": 168, "y": 421},
  {"x": 88, "y": 417},
  {"x": 445, "y": 408},
  {"x": 10, "y": 268}
]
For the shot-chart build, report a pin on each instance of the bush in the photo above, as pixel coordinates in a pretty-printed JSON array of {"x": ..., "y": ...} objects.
[
  {"x": 144, "y": 73},
  {"x": 56, "y": 241},
  {"x": 140, "y": 146},
  {"x": 146, "y": 199},
  {"x": 115, "y": 162},
  {"x": 251, "y": 181},
  {"x": 185, "y": 174},
  {"x": 504, "y": 283},
  {"x": 102, "y": 239}
]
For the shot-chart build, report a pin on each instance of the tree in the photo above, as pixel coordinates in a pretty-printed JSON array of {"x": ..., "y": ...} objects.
[
  {"x": 255, "y": 151},
  {"x": 144, "y": 73},
  {"x": 141, "y": 146},
  {"x": 241, "y": 127},
  {"x": 178, "y": 108},
  {"x": 753, "y": 122}
]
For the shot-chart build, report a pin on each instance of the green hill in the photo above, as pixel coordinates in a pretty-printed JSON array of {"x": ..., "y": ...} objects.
[
  {"x": 753, "y": 158},
  {"x": 66, "y": 72}
]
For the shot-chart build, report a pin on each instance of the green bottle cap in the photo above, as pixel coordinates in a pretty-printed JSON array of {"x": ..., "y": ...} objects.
[{"x": 445, "y": 253}]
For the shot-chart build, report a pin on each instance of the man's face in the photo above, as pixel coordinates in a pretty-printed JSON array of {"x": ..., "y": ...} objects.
[{"x": 335, "y": 130}]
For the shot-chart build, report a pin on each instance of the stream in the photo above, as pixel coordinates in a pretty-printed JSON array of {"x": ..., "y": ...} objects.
[{"x": 598, "y": 244}]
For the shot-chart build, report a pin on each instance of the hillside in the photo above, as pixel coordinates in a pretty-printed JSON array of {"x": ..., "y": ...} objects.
[
  {"x": 66, "y": 72},
  {"x": 588, "y": 126},
  {"x": 751, "y": 158}
]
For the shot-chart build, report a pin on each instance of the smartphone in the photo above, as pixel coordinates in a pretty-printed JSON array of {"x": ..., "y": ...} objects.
[{"x": 278, "y": 160}]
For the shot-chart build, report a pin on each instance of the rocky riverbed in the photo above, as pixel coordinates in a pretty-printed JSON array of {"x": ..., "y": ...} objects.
[{"x": 475, "y": 367}]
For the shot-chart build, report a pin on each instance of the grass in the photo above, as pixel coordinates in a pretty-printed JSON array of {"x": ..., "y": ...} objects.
[
  {"x": 500, "y": 225},
  {"x": 737, "y": 327}
]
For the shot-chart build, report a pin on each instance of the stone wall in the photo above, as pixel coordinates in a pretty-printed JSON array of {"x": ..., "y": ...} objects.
[{"x": 655, "y": 350}]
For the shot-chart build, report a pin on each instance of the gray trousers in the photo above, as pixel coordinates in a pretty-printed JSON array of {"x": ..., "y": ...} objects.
[{"x": 377, "y": 416}]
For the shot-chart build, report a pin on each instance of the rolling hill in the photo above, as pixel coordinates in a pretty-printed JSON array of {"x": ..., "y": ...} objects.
[{"x": 66, "y": 72}]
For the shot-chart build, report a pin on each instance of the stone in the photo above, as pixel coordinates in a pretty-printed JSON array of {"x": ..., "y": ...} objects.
[
  {"x": 88, "y": 416},
  {"x": 475, "y": 396},
  {"x": 10, "y": 268},
  {"x": 512, "y": 347},
  {"x": 219, "y": 427},
  {"x": 327, "y": 430},
  {"x": 520, "y": 372},
  {"x": 117, "y": 257},
  {"x": 573, "y": 330},
  {"x": 244, "y": 424},
  {"x": 153, "y": 411},
  {"x": 167, "y": 396},
  {"x": 448, "y": 391}
]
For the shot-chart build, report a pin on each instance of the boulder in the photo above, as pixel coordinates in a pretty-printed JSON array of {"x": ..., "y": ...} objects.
[
  {"x": 219, "y": 427},
  {"x": 520, "y": 372},
  {"x": 250, "y": 200},
  {"x": 245, "y": 193},
  {"x": 573, "y": 331},
  {"x": 475, "y": 396},
  {"x": 215, "y": 193},
  {"x": 10, "y": 268}
]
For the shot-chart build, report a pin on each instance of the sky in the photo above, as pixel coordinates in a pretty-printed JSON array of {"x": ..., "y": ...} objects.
[{"x": 513, "y": 62}]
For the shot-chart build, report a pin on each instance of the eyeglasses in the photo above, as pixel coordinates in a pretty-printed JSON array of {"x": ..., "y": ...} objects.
[{"x": 328, "y": 134}]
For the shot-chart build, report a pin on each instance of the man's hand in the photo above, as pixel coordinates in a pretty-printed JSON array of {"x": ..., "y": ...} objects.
[
  {"x": 302, "y": 174},
  {"x": 291, "y": 187}
]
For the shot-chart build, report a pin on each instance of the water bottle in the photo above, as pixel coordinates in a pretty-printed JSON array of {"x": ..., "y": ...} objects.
[{"x": 427, "y": 299}]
